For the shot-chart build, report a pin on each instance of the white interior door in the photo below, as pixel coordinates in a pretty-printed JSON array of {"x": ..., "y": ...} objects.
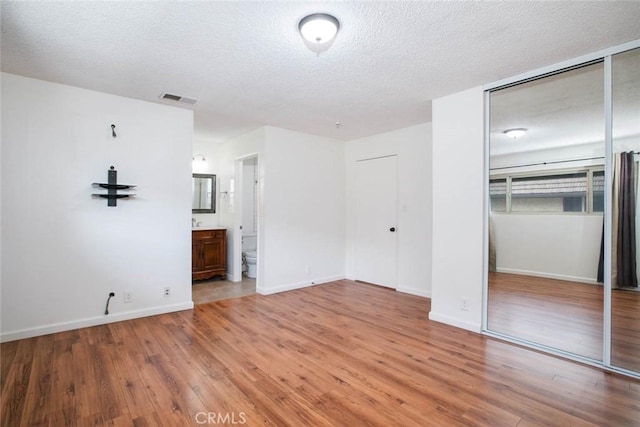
[{"x": 376, "y": 215}]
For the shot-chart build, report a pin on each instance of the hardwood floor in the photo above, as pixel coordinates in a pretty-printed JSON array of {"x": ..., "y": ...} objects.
[
  {"x": 565, "y": 315},
  {"x": 338, "y": 354},
  {"x": 204, "y": 291}
]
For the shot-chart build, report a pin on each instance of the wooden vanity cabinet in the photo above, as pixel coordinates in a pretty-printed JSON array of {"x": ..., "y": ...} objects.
[{"x": 208, "y": 254}]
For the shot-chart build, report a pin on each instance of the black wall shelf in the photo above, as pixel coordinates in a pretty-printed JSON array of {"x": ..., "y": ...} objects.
[
  {"x": 116, "y": 186},
  {"x": 112, "y": 188}
]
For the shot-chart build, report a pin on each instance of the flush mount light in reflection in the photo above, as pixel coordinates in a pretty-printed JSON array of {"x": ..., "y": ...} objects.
[
  {"x": 515, "y": 133},
  {"x": 318, "y": 31}
]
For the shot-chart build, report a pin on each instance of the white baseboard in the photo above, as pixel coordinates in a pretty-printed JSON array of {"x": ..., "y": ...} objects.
[
  {"x": 414, "y": 291},
  {"x": 549, "y": 275},
  {"x": 93, "y": 321},
  {"x": 298, "y": 285},
  {"x": 453, "y": 321}
]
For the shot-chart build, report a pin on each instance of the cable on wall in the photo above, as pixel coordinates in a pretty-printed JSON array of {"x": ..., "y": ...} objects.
[{"x": 106, "y": 309}]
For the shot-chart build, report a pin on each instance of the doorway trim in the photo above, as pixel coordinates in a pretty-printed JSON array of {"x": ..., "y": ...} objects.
[{"x": 236, "y": 252}]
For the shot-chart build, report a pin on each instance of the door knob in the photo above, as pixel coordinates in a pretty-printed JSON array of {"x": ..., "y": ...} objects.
[{"x": 392, "y": 229}]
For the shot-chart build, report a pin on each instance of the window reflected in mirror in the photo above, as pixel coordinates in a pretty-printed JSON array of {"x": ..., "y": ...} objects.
[{"x": 498, "y": 194}]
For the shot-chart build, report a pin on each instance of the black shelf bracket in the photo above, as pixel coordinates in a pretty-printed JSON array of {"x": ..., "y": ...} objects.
[{"x": 112, "y": 188}]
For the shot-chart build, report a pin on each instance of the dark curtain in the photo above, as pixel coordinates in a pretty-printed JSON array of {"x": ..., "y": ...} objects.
[
  {"x": 492, "y": 249},
  {"x": 626, "y": 262},
  {"x": 601, "y": 260}
]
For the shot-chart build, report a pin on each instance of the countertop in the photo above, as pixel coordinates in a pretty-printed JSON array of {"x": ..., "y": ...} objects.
[{"x": 207, "y": 228}]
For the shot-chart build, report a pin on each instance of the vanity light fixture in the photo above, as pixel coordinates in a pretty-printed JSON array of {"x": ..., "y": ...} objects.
[
  {"x": 318, "y": 31},
  {"x": 515, "y": 133},
  {"x": 199, "y": 163}
]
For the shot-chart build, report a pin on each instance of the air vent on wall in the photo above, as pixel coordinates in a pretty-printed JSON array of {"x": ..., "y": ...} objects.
[{"x": 178, "y": 98}]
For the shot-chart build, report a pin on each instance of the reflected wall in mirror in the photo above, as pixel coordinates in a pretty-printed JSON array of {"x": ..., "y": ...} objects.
[
  {"x": 204, "y": 193},
  {"x": 625, "y": 258},
  {"x": 546, "y": 218}
]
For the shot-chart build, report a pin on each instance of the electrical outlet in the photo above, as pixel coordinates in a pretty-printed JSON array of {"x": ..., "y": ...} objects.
[
  {"x": 308, "y": 268},
  {"x": 464, "y": 304},
  {"x": 128, "y": 296},
  {"x": 167, "y": 291}
]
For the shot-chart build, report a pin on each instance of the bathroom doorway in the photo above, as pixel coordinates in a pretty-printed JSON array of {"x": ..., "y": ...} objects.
[
  {"x": 249, "y": 181},
  {"x": 241, "y": 200},
  {"x": 245, "y": 249}
]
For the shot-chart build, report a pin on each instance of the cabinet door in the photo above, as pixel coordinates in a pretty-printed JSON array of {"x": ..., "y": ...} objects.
[
  {"x": 213, "y": 254},
  {"x": 196, "y": 256}
]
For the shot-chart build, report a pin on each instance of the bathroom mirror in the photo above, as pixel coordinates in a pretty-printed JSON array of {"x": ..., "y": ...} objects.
[{"x": 204, "y": 193}]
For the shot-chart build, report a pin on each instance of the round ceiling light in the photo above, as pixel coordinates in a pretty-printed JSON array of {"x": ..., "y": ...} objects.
[
  {"x": 318, "y": 28},
  {"x": 515, "y": 133}
]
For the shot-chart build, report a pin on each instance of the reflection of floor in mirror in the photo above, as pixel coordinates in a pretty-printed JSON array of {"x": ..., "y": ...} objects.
[
  {"x": 204, "y": 291},
  {"x": 625, "y": 329},
  {"x": 565, "y": 315}
]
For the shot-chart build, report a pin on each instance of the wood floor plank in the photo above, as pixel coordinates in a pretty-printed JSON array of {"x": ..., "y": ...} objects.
[
  {"x": 38, "y": 402},
  {"x": 338, "y": 354}
]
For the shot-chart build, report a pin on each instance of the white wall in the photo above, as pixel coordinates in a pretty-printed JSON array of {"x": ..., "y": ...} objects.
[
  {"x": 565, "y": 247},
  {"x": 64, "y": 251},
  {"x": 301, "y": 207},
  {"x": 211, "y": 151},
  {"x": 458, "y": 206},
  {"x": 412, "y": 145},
  {"x": 303, "y": 213},
  {"x": 249, "y": 144}
]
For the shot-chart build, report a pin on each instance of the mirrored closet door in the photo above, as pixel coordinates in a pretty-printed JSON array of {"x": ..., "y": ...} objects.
[
  {"x": 625, "y": 258},
  {"x": 546, "y": 195},
  {"x": 563, "y": 228}
]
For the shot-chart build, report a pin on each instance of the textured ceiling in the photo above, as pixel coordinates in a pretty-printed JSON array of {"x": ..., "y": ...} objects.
[
  {"x": 247, "y": 65},
  {"x": 568, "y": 108}
]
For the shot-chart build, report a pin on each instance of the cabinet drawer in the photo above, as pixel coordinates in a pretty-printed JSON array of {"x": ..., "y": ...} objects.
[{"x": 208, "y": 234}]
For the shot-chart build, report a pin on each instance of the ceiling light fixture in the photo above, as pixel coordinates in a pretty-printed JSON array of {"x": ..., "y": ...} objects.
[
  {"x": 515, "y": 133},
  {"x": 318, "y": 31}
]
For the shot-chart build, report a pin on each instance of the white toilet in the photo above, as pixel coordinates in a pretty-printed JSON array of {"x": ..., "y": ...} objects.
[{"x": 251, "y": 257}]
